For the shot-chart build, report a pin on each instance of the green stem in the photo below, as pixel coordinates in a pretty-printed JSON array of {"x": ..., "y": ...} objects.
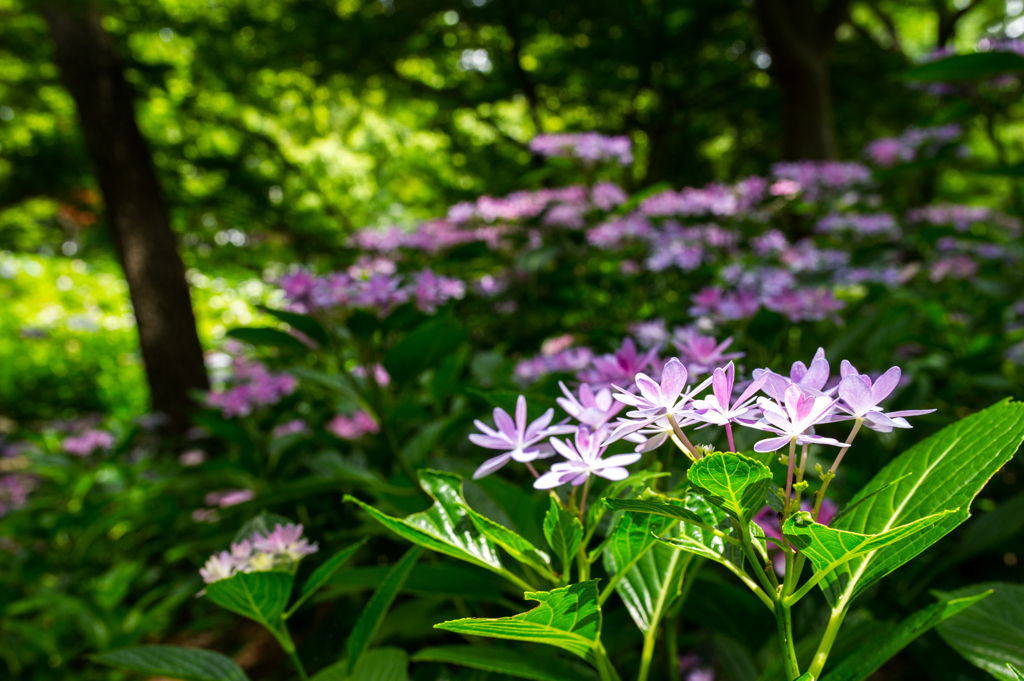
[
  {"x": 285, "y": 639},
  {"x": 694, "y": 454},
  {"x": 583, "y": 499},
  {"x": 755, "y": 563},
  {"x": 647, "y": 655},
  {"x": 829, "y": 638},
  {"x": 672, "y": 649},
  {"x": 832, "y": 471},
  {"x": 604, "y": 665},
  {"x": 783, "y": 618}
]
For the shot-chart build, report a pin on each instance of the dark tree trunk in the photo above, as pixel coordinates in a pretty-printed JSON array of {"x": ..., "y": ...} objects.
[
  {"x": 800, "y": 36},
  {"x": 93, "y": 73}
]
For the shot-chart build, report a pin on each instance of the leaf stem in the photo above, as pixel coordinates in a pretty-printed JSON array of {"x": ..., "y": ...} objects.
[
  {"x": 285, "y": 639},
  {"x": 784, "y": 619},
  {"x": 647, "y": 655},
  {"x": 827, "y": 639},
  {"x": 748, "y": 549}
]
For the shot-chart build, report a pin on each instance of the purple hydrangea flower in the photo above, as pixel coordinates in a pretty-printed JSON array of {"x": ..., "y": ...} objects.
[
  {"x": 618, "y": 367},
  {"x": 285, "y": 541},
  {"x": 229, "y": 497},
  {"x": 812, "y": 379},
  {"x": 88, "y": 442},
  {"x": 861, "y": 397},
  {"x": 700, "y": 354},
  {"x": 793, "y": 419},
  {"x": 593, "y": 410},
  {"x": 719, "y": 408},
  {"x": 352, "y": 427},
  {"x": 518, "y": 440},
  {"x": 583, "y": 459}
]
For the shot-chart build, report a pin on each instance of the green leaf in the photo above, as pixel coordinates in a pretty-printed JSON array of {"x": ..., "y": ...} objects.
[
  {"x": 186, "y": 664},
  {"x": 300, "y": 322},
  {"x": 629, "y": 541},
  {"x": 323, "y": 574},
  {"x": 266, "y": 335},
  {"x": 734, "y": 482},
  {"x": 569, "y": 618},
  {"x": 1016, "y": 672},
  {"x": 862, "y": 662},
  {"x": 336, "y": 382},
  {"x": 634, "y": 483},
  {"x": 423, "y": 347},
  {"x": 830, "y": 550},
  {"x": 946, "y": 471},
  {"x": 961, "y": 67},
  {"x": 655, "y": 504},
  {"x": 991, "y": 634},
  {"x": 378, "y": 664},
  {"x": 564, "y": 533},
  {"x": 517, "y": 547},
  {"x": 504, "y": 661},
  {"x": 260, "y": 596},
  {"x": 863, "y": 499},
  {"x": 651, "y": 585},
  {"x": 376, "y": 610},
  {"x": 445, "y": 527}
]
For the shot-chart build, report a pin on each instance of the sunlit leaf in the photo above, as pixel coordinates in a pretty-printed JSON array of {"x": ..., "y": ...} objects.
[
  {"x": 564, "y": 533},
  {"x": 516, "y": 546},
  {"x": 186, "y": 664},
  {"x": 503, "y": 661},
  {"x": 946, "y": 471},
  {"x": 652, "y": 583},
  {"x": 990, "y": 635},
  {"x": 830, "y": 550},
  {"x": 260, "y": 596},
  {"x": 266, "y": 335},
  {"x": 300, "y": 322},
  {"x": 569, "y": 618},
  {"x": 734, "y": 482}
]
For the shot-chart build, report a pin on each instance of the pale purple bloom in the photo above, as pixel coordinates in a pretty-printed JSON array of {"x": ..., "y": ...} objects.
[
  {"x": 666, "y": 398},
  {"x": 607, "y": 195},
  {"x": 649, "y": 333},
  {"x": 772, "y": 241},
  {"x": 519, "y": 441},
  {"x": 380, "y": 375},
  {"x": 793, "y": 419},
  {"x": 566, "y": 361},
  {"x": 229, "y": 497},
  {"x": 618, "y": 367},
  {"x": 192, "y": 457},
  {"x": 14, "y": 491},
  {"x": 593, "y": 410},
  {"x": 812, "y": 379},
  {"x": 582, "y": 460},
  {"x": 719, "y": 408},
  {"x": 861, "y": 397},
  {"x": 700, "y": 354},
  {"x": 88, "y": 442},
  {"x": 352, "y": 427},
  {"x": 875, "y": 224},
  {"x": 433, "y": 290},
  {"x": 290, "y": 428},
  {"x": 612, "y": 234},
  {"x": 254, "y": 386},
  {"x": 589, "y": 147},
  {"x": 219, "y": 566},
  {"x": 285, "y": 541},
  {"x": 960, "y": 266},
  {"x": 382, "y": 293}
]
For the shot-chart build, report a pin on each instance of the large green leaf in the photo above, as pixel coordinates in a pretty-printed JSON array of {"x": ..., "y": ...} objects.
[
  {"x": 863, "y": 661},
  {"x": 444, "y": 527},
  {"x": 965, "y": 67},
  {"x": 323, "y": 574},
  {"x": 503, "y": 661},
  {"x": 652, "y": 584},
  {"x": 991, "y": 634},
  {"x": 186, "y": 664},
  {"x": 734, "y": 482},
  {"x": 564, "y": 533},
  {"x": 634, "y": 485},
  {"x": 632, "y": 537},
  {"x": 300, "y": 322},
  {"x": 569, "y": 618},
  {"x": 260, "y": 596},
  {"x": 376, "y": 610},
  {"x": 1018, "y": 674},
  {"x": 830, "y": 550},
  {"x": 516, "y": 546},
  {"x": 266, "y": 335},
  {"x": 946, "y": 471},
  {"x": 378, "y": 664}
]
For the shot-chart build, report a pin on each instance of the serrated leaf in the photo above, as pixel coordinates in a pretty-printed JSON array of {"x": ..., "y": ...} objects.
[
  {"x": 635, "y": 482},
  {"x": 964, "y": 67},
  {"x": 323, "y": 574},
  {"x": 268, "y": 336},
  {"x": 445, "y": 527},
  {"x": 376, "y": 610},
  {"x": 830, "y": 550},
  {"x": 734, "y": 482},
  {"x": 652, "y": 584},
  {"x": 655, "y": 504},
  {"x": 946, "y": 471},
  {"x": 516, "y": 546},
  {"x": 989, "y": 635},
  {"x": 503, "y": 661},
  {"x": 260, "y": 596},
  {"x": 569, "y": 618},
  {"x": 186, "y": 664},
  {"x": 564, "y": 533},
  {"x": 868, "y": 658},
  {"x": 631, "y": 538},
  {"x": 300, "y": 322}
]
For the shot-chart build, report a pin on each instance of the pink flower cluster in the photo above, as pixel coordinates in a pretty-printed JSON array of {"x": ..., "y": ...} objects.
[
  {"x": 293, "y": 427},
  {"x": 814, "y": 178},
  {"x": 589, "y": 147},
  {"x": 253, "y": 385},
  {"x": 380, "y": 291},
  {"x": 280, "y": 549},
  {"x": 871, "y": 224},
  {"x": 229, "y": 497},
  {"x": 912, "y": 144},
  {"x": 88, "y": 442},
  {"x": 963, "y": 217},
  {"x": 565, "y": 361},
  {"x": 352, "y": 427}
]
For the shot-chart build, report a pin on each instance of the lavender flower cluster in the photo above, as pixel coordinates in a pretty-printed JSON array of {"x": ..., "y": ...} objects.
[
  {"x": 253, "y": 385},
  {"x": 370, "y": 285},
  {"x": 663, "y": 403},
  {"x": 280, "y": 549},
  {"x": 589, "y": 147},
  {"x": 914, "y": 143},
  {"x": 88, "y": 442},
  {"x": 352, "y": 427}
]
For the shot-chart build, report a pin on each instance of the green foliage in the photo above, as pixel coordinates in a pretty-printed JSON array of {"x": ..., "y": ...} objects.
[
  {"x": 990, "y": 634},
  {"x": 734, "y": 482},
  {"x": 187, "y": 664},
  {"x": 322, "y": 575},
  {"x": 260, "y": 596},
  {"x": 966, "y": 67},
  {"x": 564, "y": 532},
  {"x": 502, "y": 661},
  {"x": 373, "y": 614},
  {"x": 568, "y": 618}
]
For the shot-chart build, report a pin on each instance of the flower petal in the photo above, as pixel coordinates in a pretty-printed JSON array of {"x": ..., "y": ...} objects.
[
  {"x": 772, "y": 444},
  {"x": 491, "y": 465},
  {"x": 673, "y": 380}
]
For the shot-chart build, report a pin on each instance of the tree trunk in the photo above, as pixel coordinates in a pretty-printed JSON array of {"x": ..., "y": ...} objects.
[
  {"x": 93, "y": 73},
  {"x": 800, "y": 37}
]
